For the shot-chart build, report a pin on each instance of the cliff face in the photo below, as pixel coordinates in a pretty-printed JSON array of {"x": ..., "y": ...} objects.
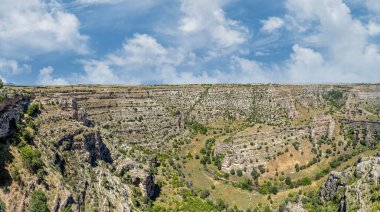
[
  {"x": 10, "y": 108},
  {"x": 98, "y": 146},
  {"x": 356, "y": 188}
]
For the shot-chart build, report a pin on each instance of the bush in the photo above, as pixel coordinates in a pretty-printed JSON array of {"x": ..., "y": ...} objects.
[
  {"x": 268, "y": 188},
  {"x": 33, "y": 109},
  {"x": 297, "y": 167},
  {"x": 255, "y": 174},
  {"x": 38, "y": 202},
  {"x": 288, "y": 180},
  {"x": 32, "y": 158},
  {"x": 198, "y": 128},
  {"x": 262, "y": 169},
  {"x": 2, "y": 206},
  {"x": 239, "y": 173},
  {"x": 204, "y": 194},
  {"x": 305, "y": 181}
]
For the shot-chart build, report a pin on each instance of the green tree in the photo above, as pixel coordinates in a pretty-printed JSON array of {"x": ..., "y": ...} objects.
[
  {"x": 1, "y": 84},
  {"x": 297, "y": 166},
  {"x": 2, "y": 204},
  {"x": 255, "y": 174},
  {"x": 38, "y": 202},
  {"x": 288, "y": 180}
]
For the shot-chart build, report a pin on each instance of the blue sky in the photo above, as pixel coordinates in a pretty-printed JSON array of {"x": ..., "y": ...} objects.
[{"x": 51, "y": 42}]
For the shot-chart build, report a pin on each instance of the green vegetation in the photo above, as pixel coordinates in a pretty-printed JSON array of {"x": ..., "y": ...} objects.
[
  {"x": 33, "y": 109},
  {"x": 1, "y": 84},
  {"x": 38, "y": 202},
  {"x": 335, "y": 98},
  {"x": 268, "y": 188},
  {"x": 2, "y": 206},
  {"x": 255, "y": 174},
  {"x": 32, "y": 158},
  {"x": 305, "y": 181},
  {"x": 198, "y": 128}
]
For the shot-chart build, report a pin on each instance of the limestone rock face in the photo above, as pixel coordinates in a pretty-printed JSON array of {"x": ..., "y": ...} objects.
[
  {"x": 150, "y": 186},
  {"x": 364, "y": 131},
  {"x": 89, "y": 143},
  {"x": 294, "y": 207},
  {"x": 68, "y": 104},
  {"x": 352, "y": 187},
  {"x": 8, "y": 119},
  {"x": 96, "y": 149},
  {"x": 330, "y": 188}
]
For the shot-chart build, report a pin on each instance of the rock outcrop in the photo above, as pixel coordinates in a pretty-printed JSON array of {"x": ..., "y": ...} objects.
[
  {"x": 332, "y": 186},
  {"x": 150, "y": 186},
  {"x": 89, "y": 143},
  {"x": 8, "y": 120},
  {"x": 356, "y": 188}
]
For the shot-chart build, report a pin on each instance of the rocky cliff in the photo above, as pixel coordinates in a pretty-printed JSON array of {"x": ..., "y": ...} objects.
[{"x": 103, "y": 148}]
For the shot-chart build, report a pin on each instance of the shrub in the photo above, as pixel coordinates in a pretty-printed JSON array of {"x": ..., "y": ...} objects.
[
  {"x": 197, "y": 127},
  {"x": 262, "y": 169},
  {"x": 288, "y": 180},
  {"x": 305, "y": 181},
  {"x": 268, "y": 188},
  {"x": 33, "y": 109},
  {"x": 204, "y": 194},
  {"x": 38, "y": 202},
  {"x": 2, "y": 206},
  {"x": 239, "y": 173},
  {"x": 226, "y": 175},
  {"x": 255, "y": 174},
  {"x": 297, "y": 167},
  {"x": 32, "y": 158}
]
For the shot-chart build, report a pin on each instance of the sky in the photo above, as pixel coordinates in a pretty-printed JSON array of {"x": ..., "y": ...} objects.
[{"x": 60, "y": 42}]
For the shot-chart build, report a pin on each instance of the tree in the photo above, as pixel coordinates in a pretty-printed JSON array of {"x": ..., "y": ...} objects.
[
  {"x": 288, "y": 180},
  {"x": 1, "y": 84},
  {"x": 2, "y": 204},
  {"x": 297, "y": 166},
  {"x": 38, "y": 202},
  {"x": 255, "y": 174},
  {"x": 204, "y": 194}
]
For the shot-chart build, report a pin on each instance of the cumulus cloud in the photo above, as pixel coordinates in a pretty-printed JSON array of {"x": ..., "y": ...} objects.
[
  {"x": 272, "y": 24},
  {"x": 373, "y": 28},
  {"x": 12, "y": 67},
  {"x": 36, "y": 26},
  {"x": 348, "y": 54},
  {"x": 206, "y": 22},
  {"x": 141, "y": 59},
  {"x": 45, "y": 77}
]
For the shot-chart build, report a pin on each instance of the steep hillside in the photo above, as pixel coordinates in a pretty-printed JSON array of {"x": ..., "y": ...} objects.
[{"x": 190, "y": 148}]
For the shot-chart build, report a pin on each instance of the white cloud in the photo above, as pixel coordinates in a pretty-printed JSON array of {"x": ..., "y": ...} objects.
[
  {"x": 12, "y": 67},
  {"x": 141, "y": 59},
  {"x": 345, "y": 52},
  {"x": 45, "y": 77},
  {"x": 37, "y": 26},
  {"x": 98, "y": 1},
  {"x": 373, "y": 28},
  {"x": 272, "y": 24},
  {"x": 371, "y": 5},
  {"x": 206, "y": 23}
]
